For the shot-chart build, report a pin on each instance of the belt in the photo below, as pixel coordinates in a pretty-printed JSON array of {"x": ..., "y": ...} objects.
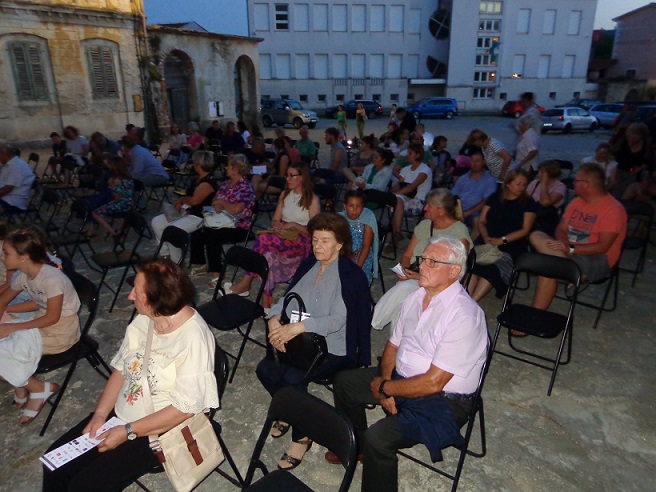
[{"x": 457, "y": 396}]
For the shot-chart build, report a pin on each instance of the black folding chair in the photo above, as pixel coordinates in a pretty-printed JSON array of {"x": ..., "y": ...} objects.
[
  {"x": 227, "y": 312},
  {"x": 471, "y": 261},
  {"x": 320, "y": 422},
  {"x": 221, "y": 370},
  {"x": 85, "y": 348},
  {"x": 385, "y": 201},
  {"x": 120, "y": 256},
  {"x": 538, "y": 322},
  {"x": 71, "y": 237},
  {"x": 475, "y": 410},
  {"x": 641, "y": 218}
]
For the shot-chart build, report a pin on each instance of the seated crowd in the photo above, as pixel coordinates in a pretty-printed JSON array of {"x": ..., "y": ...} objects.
[{"x": 431, "y": 363}]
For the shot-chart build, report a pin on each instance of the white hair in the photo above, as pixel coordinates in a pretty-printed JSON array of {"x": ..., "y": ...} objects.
[{"x": 457, "y": 252}]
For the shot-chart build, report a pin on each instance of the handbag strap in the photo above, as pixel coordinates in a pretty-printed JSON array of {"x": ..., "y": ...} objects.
[
  {"x": 284, "y": 318},
  {"x": 145, "y": 383}
]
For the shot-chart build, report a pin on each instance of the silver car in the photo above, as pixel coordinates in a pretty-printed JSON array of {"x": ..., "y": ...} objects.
[
  {"x": 567, "y": 120},
  {"x": 606, "y": 113}
]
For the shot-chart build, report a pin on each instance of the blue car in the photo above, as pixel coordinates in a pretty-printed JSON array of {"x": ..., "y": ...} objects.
[{"x": 434, "y": 107}]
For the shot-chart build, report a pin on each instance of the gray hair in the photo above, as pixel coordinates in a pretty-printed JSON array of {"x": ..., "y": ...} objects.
[
  {"x": 457, "y": 252},
  {"x": 204, "y": 159},
  {"x": 194, "y": 126},
  {"x": 240, "y": 163}
]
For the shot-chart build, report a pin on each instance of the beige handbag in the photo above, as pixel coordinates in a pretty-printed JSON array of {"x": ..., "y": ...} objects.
[
  {"x": 190, "y": 451},
  {"x": 487, "y": 254}
]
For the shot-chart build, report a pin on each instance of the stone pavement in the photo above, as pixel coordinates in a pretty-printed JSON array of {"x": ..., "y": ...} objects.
[{"x": 596, "y": 432}]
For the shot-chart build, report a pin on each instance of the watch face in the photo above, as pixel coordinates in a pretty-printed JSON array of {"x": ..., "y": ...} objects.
[{"x": 132, "y": 436}]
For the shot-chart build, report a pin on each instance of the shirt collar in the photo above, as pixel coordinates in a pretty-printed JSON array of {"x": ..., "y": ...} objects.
[{"x": 447, "y": 296}]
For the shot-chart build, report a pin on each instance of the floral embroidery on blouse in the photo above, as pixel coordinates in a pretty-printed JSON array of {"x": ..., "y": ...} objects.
[
  {"x": 132, "y": 372},
  {"x": 241, "y": 192}
]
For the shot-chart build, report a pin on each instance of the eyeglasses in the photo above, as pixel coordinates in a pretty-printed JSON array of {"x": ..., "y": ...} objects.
[
  {"x": 291, "y": 175},
  {"x": 581, "y": 181},
  {"x": 430, "y": 262}
]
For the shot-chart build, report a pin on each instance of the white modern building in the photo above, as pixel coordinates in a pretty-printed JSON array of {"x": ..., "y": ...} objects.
[{"x": 479, "y": 52}]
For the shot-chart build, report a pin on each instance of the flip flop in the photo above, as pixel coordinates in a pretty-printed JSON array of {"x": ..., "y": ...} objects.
[
  {"x": 45, "y": 396},
  {"x": 279, "y": 429},
  {"x": 287, "y": 459}
]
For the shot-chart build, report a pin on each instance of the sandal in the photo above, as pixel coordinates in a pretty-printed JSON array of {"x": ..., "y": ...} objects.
[
  {"x": 517, "y": 333},
  {"x": 288, "y": 459},
  {"x": 19, "y": 402},
  {"x": 227, "y": 287},
  {"x": 48, "y": 392},
  {"x": 279, "y": 429},
  {"x": 212, "y": 284}
]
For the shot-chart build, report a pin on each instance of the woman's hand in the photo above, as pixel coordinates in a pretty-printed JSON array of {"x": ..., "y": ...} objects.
[
  {"x": 558, "y": 246},
  {"x": 495, "y": 241},
  {"x": 288, "y": 225},
  {"x": 94, "y": 424},
  {"x": 218, "y": 206},
  {"x": 113, "y": 438},
  {"x": 281, "y": 334},
  {"x": 276, "y": 225},
  {"x": 409, "y": 274},
  {"x": 6, "y": 329}
]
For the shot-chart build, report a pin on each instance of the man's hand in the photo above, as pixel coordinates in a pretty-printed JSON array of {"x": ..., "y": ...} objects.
[{"x": 389, "y": 405}]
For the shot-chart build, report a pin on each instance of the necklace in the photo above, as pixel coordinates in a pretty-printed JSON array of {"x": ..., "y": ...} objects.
[{"x": 170, "y": 324}]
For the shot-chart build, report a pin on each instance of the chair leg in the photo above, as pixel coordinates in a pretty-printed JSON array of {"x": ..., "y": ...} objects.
[
  {"x": 239, "y": 480},
  {"x": 60, "y": 394},
  {"x": 118, "y": 288},
  {"x": 241, "y": 350}
]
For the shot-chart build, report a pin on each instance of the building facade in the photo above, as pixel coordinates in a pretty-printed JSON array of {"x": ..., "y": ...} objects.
[
  {"x": 69, "y": 62},
  {"x": 478, "y": 52},
  {"x": 634, "y": 40}
]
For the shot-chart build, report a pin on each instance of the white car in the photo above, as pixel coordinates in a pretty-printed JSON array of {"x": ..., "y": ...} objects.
[{"x": 568, "y": 119}]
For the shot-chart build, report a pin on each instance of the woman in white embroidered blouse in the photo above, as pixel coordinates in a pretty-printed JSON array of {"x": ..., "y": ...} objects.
[{"x": 180, "y": 375}]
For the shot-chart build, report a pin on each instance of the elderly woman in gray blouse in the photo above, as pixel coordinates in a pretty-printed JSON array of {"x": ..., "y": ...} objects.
[{"x": 327, "y": 282}]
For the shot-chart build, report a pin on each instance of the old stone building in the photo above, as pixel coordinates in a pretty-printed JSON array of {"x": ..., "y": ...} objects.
[{"x": 69, "y": 62}]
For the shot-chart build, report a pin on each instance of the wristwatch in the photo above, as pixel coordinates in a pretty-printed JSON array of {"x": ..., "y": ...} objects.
[
  {"x": 131, "y": 434},
  {"x": 504, "y": 239},
  {"x": 381, "y": 390},
  {"x": 571, "y": 249}
]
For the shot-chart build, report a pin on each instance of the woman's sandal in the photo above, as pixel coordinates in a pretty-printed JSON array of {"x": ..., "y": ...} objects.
[
  {"x": 288, "y": 459},
  {"x": 19, "y": 402},
  {"x": 279, "y": 429},
  {"x": 48, "y": 392}
]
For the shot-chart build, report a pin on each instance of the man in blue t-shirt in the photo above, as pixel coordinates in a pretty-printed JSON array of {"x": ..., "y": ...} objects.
[{"x": 473, "y": 189}]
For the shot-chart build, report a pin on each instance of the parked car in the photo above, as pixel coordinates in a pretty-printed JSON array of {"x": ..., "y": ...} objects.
[
  {"x": 373, "y": 108},
  {"x": 286, "y": 112},
  {"x": 606, "y": 113},
  {"x": 646, "y": 114},
  {"x": 567, "y": 120},
  {"x": 515, "y": 109},
  {"x": 434, "y": 107},
  {"x": 580, "y": 103}
]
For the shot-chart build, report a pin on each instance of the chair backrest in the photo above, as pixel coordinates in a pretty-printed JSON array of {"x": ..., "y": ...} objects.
[
  {"x": 639, "y": 210},
  {"x": 325, "y": 191},
  {"x": 471, "y": 261},
  {"x": 249, "y": 261},
  {"x": 382, "y": 198},
  {"x": 549, "y": 266},
  {"x": 87, "y": 292},
  {"x": 321, "y": 422},
  {"x": 221, "y": 370},
  {"x": 176, "y": 237}
]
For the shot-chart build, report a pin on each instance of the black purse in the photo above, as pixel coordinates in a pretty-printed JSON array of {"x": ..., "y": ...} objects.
[{"x": 305, "y": 351}]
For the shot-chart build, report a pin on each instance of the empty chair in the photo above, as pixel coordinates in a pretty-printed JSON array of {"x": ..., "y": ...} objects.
[
  {"x": 525, "y": 319},
  {"x": 322, "y": 424},
  {"x": 641, "y": 217}
]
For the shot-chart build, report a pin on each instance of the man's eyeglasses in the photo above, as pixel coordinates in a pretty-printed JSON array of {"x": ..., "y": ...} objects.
[
  {"x": 430, "y": 262},
  {"x": 581, "y": 181},
  {"x": 291, "y": 175}
]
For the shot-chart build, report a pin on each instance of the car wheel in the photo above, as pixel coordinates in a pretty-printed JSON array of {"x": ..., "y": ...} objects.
[
  {"x": 311, "y": 125},
  {"x": 267, "y": 121},
  {"x": 517, "y": 114},
  {"x": 449, "y": 115},
  {"x": 372, "y": 115},
  {"x": 593, "y": 126},
  {"x": 417, "y": 115},
  {"x": 298, "y": 123},
  {"x": 567, "y": 128}
]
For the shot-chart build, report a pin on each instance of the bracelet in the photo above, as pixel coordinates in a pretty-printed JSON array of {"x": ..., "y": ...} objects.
[{"x": 381, "y": 389}]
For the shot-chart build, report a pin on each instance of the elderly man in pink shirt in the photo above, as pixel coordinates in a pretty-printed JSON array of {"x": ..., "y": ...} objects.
[{"x": 428, "y": 374}]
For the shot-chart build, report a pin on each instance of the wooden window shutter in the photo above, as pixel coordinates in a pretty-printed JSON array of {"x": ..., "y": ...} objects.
[
  {"x": 31, "y": 83},
  {"x": 103, "y": 75}
]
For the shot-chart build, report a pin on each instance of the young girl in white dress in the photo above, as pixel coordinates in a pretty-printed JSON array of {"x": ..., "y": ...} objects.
[{"x": 54, "y": 329}]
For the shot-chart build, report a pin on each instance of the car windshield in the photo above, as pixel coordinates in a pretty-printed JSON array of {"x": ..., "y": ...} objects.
[
  {"x": 424, "y": 100},
  {"x": 294, "y": 104},
  {"x": 553, "y": 112}
]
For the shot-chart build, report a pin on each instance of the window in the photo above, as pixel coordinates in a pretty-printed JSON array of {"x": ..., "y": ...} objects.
[
  {"x": 301, "y": 17},
  {"x": 518, "y": 65},
  {"x": 483, "y": 60},
  {"x": 411, "y": 96},
  {"x": 394, "y": 97},
  {"x": 339, "y": 66},
  {"x": 282, "y": 105},
  {"x": 576, "y": 95},
  {"x": 321, "y": 66},
  {"x": 376, "y": 97},
  {"x": 303, "y": 98},
  {"x": 414, "y": 21},
  {"x": 412, "y": 65},
  {"x": 266, "y": 96},
  {"x": 394, "y": 66},
  {"x": 484, "y": 76},
  {"x": 320, "y": 17},
  {"x": 265, "y": 67},
  {"x": 483, "y": 93},
  {"x": 523, "y": 21},
  {"x": 358, "y": 66},
  {"x": 303, "y": 66},
  {"x": 568, "y": 66},
  {"x": 396, "y": 18},
  {"x": 340, "y": 97},
  {"x": 485, "y": 42},
  {"x": 489, "y": 25},
  {"x": 283, "y": 67},
  {"x": 376, "y": 63},
  {"x": 490, "y": 7},
  {"x": 282, "y": 17},
  {"x": 503, "y": 96},
  {"x": 359, "y": 96},
  {"x": 321, "y": 98},
  {"x": 549, "y": 24},
  {"x": 102, "y": 71},
  {"x": 543, "y": 66},
  {"x": 377, "y": 18},
  {"x": 631, "y": 72},
  {"x": 574, "y": 27},
  {"x": 552, "y": 96},
  {"x": 358, "y": 19},
  {"x": 339, "y": 18},
  {"x": 27, "y": 61},
  {"x": 261, "y": 16}
]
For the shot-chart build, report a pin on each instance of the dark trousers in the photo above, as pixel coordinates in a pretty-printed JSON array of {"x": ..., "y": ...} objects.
[
  {"x": 379, "y": 442},
  {"x": 274, "y": 377},
  {"x": 209, "y": 242},
  {"x": 101, "y": 472}
]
